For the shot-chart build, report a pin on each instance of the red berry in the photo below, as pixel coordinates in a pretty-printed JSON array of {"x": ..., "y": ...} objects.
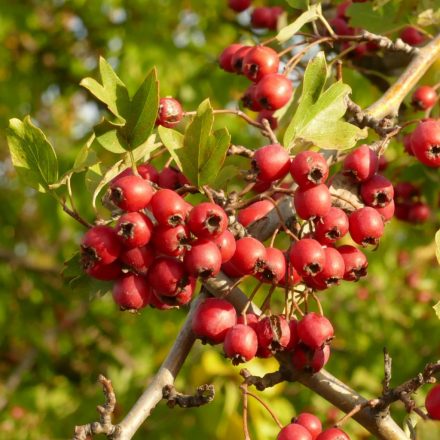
[
  {"x": 361, "y": 164},
  {"x": 249, "y": 256},
  {"x": 230, "y": 270},
  {"x": 169, "y": 208},
  {"x": 310, "y": 422},
  {"x": 182, "y": 298},
  {"x": 377, "y": 191},
  {"x": 134, "y": 229},
  {"x": 239, "y": 5},
  {"x": 355, "y": 262},
  {"x": 273, "y": 334},
  {"x": 105, "y": 272},
  {"x": 138, "y": 259},
  {"x": 225, "y": 58},
  {"x": 387, "y": 212},
  {"x": 404, "y": 191},
  {"x": 293, "y": 341},
  {"x": 311, "y": 202},
  {"x": 341, "y": 9},
  {"x": 203, "y": 259},
  {"x": 251, "y": 320},
  {"x": 274, "y": 91},
  {"x": 294, "y": 432},
  {"x": 383, "y": 163},
  {"x": 333, "y": 270},
  {"x": 100, "y": 244},
  {"x": 170, "y": 112},
  {"x": 292, "y": 277},
  {"x": 309, "y": 168},
  {"x": 148, "y": 172},
  {"x": 237, "y": 58},
  {"x": 366, "y": 226},
  {"x": 263, "y": 18},
  {"x": 340, "y": 26},
  {"x": 333, "y": 434},
  {"x": 306, "y": 359},
  {"x": 424, "y": 97},
  {"x": 131, "y": 193},
  {"x": 315, "y": 330},
  {"x": 307, "y": 257},
  {"x": 407, "y": 144},
  {"x": 254, "y": 212},
  {"x": 332, "y": 226},
  {"x": 412, "y": 36},
  {"x": 131, "y": 292},
  {"x": 169, "y": 178},
  {"x": 167, "y": 276},
  {"x": 226, "y": 244},
  {"x": 260, "y": 61},
  {"x": 207, "y": 220},
  {"x": 274, "y": 270},
  {"x": 269, "y": 115},
  {"x": 425, "y": 142},
  {"x": 419, "y": 213},
  {"x": 271, "y": 162},
  {"x": 432, "y": 402},
  {"x": 249, "y": 100},
  {"x": 171, "y": 241},
  {"x": 240, "y": 343},
  {"x": 212, "y": 319}
]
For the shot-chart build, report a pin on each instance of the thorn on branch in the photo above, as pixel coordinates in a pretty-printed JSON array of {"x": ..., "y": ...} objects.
[
  {"x": 204, "y": 394},
  {"x": 104, "y": 426}
]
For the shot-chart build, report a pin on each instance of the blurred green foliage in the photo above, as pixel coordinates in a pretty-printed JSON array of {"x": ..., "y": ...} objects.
[{"x": 56, "y": 340}]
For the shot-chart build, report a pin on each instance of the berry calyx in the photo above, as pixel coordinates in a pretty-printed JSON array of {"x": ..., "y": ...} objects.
[
  {"x": 240, "y": 343},
  {"x": 131, "y": 193},
  {"x": 207, "y": 220},
  {"x": 274, "y": 270},
  {"x": 332, "y": 226},
  {"x": 309, "y": 168},
  {"x": 377, "y": 191},
  {"x": 99, "y": 244},
  {"x": 361, "y": 164},
  {"x": 237, "y": 59},
  {"x": 134, "y": 229},
  {"x": 366, "y": 226},
  {"x": 307, "y": 257}
]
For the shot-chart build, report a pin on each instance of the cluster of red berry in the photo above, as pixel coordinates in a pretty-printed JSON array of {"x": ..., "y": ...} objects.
[
  {"x": 409, "y": 206},
  {"x": 307, "y": 426},
  {"x": 263, "y": 17}
]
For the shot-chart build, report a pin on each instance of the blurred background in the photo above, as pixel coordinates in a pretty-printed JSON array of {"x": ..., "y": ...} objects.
[{"x": 55, "y": 341}]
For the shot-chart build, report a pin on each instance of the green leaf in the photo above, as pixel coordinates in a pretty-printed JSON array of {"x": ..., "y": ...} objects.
[
  {"x": 298, "y": 4},
  {"x": 437, "y": 245},
  {"x": 286, "y": 33},
  {"x": 143, "y": 152},
  {"x": 226, "y": 174},
  {"x": 173, "y": 141},
  {"x": 113, "y": 171},
  {"x": 437, "y": 309},
  {"x": 86, "y": 156},
  {"x": 111, "y": 137},
  {"x": 143, "y": 111},
  {"x": 32, "y": 155},
  {"x": 93, "y": 177},
  {"x": 111, "y": 92}
]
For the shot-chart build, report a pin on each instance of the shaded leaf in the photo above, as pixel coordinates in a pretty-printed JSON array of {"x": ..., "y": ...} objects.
[
  {"x": 308, "y": 16},
  {"x": 173, "y": 141},
  {"x": 32, "y": 155}
]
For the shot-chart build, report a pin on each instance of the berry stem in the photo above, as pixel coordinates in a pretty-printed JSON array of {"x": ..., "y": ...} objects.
[
  {"x": 266, "y": 406},
  {"x": 244, "y": 388}
]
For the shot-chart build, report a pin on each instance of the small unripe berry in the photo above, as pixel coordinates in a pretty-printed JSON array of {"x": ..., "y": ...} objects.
[
  {"x": 207, "y": 220},
  {"x": 309, "y": 168},
  {"x": 271, "y": 162},
  {"x": 203, "y": 259},
  {"x": 361, "y": 164},
  {"x": 355, "y": 262},
  {"x": 424, "y": 97},
  {"x": 131, "y": 193},
  {"x": 315, "y": 330},
  {"x": 274, "y": 91},
  {"x": 100, "y": 244},
  {"x": 419, "y": 213},
  {"x": 263, "y": 18},
  {"x": 294, "y": 431},
  {"x": 432, "y": 402},
  {"x": 134, "y": 229},
  {"x": 240, "y": 343},
  {"x": 259, "y": 62},
  {"x": 366, "y": 226},
  {"x": 131, "y": 292},
  {"x": 170, "y": 112},
  {"x": 311, "y": 202},
  {"x": 307, "y": 257}
]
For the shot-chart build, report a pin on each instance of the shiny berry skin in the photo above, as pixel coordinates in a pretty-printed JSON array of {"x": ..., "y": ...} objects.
[
  {"x": 203, "y": 259},
  {"x": 167, "y": 276},
  {"x": 366, "y": 226},
  {"x": 432, "y": 402},
  {"x": 237, "y": 58},
  {"x": 412, "y": 36},
  {"x": 307, "y": 257},
  {"x": 134, "y": 229},
  {"x": 309, "y": 168},
  {"x": 131, "y": 193},
  {"x": 294, "y": 431},
  {"x": 249, "y": 256},
  {"x": 271, "y": 162},
  {"x": 361, "y": 164},
  {"x": 355, "y": 261},
  {"x": 419, "y": 212},
  {"x": 311, "y": 202},
  {"x": 138, "y": 259},
  {"x": 424, "y": 98},
  {"x": 263, "y": 18},
  {"x": 259, "y": 62},
  {"x": 274, "y": 91},
  {"x": 225, "y": 58},
  {"x": 105, "y": 272},
  {"x": 239, "y": 5},
  {"x": 315, "y": 330},
  {"x": 212, "y": 319},
  {"x": 169, "y": 208},
  {"x": 171, "y": 241},
  {"x": 332, "y": 226},
  {"x": 131, "y": 292},
  {"x": 254, "y": 212},
  {"x": 377, "y": 191},
  {"x": 425, "y": 143},
  {"x": 311, "y": 361},
  {"x": 333, "y": 270},
  {"x": 170, "y": 112},
  {"x": 249, "y": 100},
  {"x": 275, "y": 268},
  {"x": 333, "y": 434},
  {"x": 207, "y": 220},
  {"x": 99, "y": 244},
  {"x": 387, "y": 212},
  {"x": 273, "y": 334},
  {"x": 310, "y": 422},
  {"x": 269, "y": 116},
  {"x": 226, "y": 245},
  {"x": 240, "y": 343}
]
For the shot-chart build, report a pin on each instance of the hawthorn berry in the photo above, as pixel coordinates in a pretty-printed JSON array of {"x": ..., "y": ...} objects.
[
  {"x": 425, "y": 143},
  {"x": 419, "y": 212},
  {"x": 225, "y": 58},
  {"x": 274, "y": 269},
  {"x": 432, "y": 402},
  {"x": 387, "y": 212},
  {"x": 167, "y": 276},
  {"x": 269, "y": 116},
  {"x": 230, "y": 270},
  {"x": 312, "y": 202},
  {"x": 273, "y": 333},
  {"x": 169, "y": 208},
  {"x": 274, "y": 91},
  {"x": 138, "y": 259},
  {"x": 182, "y": 298},
  {"x": 170, "y": 112},
  {"x": 105, "y": 272},
  {"x": 263, "y": 18},
  {"x": 131, "y": 292},
  {"x": 366, "y": 226},
  {"x": 171, "y": 241},
  {"x": 212, "y": 319},
  {"x": 249, "y": 99},
  {"x": 240, "y": 343},
  {"x": 294, "y": 431},
  {"x": 310, "y": 422},
  {"x": 412, "y": 36},
  {"x": 340, "y": 26},
  {"x": 312, "y": 361},
  {"x": 424, "y": 97},
  {"x": 271, "y": 162},
  {"x": 148, "y": 172},
  {"x": 169, "y": 178},
  {"x": 307, "y": 257},
  {"x": 254, "y": 212},
  {"x": 333, "y": 270},
  {"x": 309, "y": 168},
  {"x": 407, "y": 144},
  {"x": 361, "y": 164},
  {"x": 405, "y": 191},
  {"x": 134, "y": 229},
  {"x": 333, "y": 434},
  {"x": 341, "y": 9},
  {"x": 226, "y": 245},
  {"x": 259, "y": 62},
  {"x": 249, "y": 256},
  {"x": 203, "y": 259},
  {"x": 239, "y": 5},
  {"x": 332, "y": 226},
  {"x": 207, "y": 220},
  {"x": 293, "y": 341},
  {"x": 99, "y": 244},
  {"x": 131, "y": 193},
  {"x": 377, "y": 191},
  {"x": 237, "y": 58},
  {"x": 315, "y": 330},
  {"x": 355, "y": 262}
]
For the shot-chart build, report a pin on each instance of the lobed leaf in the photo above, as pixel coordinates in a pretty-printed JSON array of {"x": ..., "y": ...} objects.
[{"x": 308, "y": 16}]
